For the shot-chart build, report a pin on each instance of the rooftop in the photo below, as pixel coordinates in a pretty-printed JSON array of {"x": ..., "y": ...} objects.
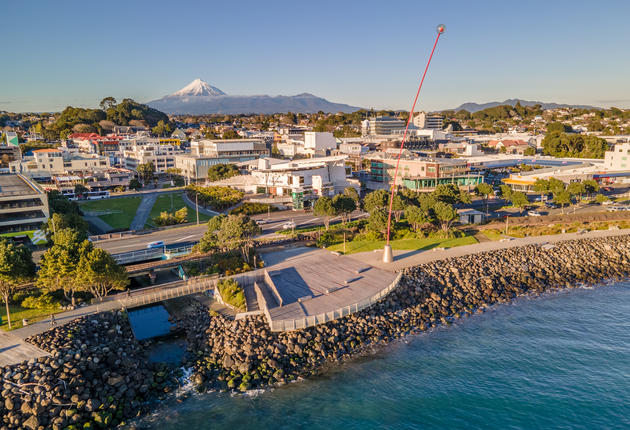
[{"x": 16, "y": 185}]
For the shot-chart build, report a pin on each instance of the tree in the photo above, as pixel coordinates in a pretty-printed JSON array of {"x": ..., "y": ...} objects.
[
  {"x": 541, "y": 186},
  {"x": 324, "y": 207},
  {"x": 530, "y": 151},
  {"x": 230, "y": 134},
  {"x": 600, "y": 198},
  {"x": 146, "y": 171},
  {"x": 590, "y": 186},
  {"x": 60, "y": 221},
  {"x": 344, "y": 206},
  {"x": 58, "y": 265},
  {"x": 558, "y": 127},
  {"x": 134, "y": 184},
  {"x": 562, "y": 198},
  {"x": 222, "y": 171},
  {"x": 506, "y": 192},
  {"x": 377, "y": 221},
  {"x": 378, "y": 199},
  {"x": 80, "y": 189},
  {"x": 519, "y": 200},
  {"x": 445, "y": 214},
  {"x": 485, "y": 191},
  {"x": 209, "y": 240},
  {"x": 98, "y": 272},
  {"x": 447, "y": 193},
  {"x": 162, "y": 128},
  {"x": 238, "y": 231},
  {"x": 16, "y": 267},
  {"x": 556, "y": 185},
  {"x": 181, "y": 215},
  {"x": 464, "y": 197},
  {"x": 353, "y": 194},
  {"x": 107, "y": 102},
  {"x": 416, "y": 217},
  {"x": 576, "y": 189}
]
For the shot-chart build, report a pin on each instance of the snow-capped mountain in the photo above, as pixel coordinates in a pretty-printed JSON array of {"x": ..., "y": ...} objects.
[
  {"x": 200, "y": 98},
  {"x": 199, "y": 88}
]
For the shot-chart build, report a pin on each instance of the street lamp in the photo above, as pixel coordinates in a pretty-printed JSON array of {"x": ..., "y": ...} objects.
[{"x": 388, "y": 256}]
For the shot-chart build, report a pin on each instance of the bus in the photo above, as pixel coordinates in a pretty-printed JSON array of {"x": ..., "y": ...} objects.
[{"x": 97, "y": 195}]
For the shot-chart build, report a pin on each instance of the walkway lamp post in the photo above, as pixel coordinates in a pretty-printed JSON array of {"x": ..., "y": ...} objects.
[{"x": 388, "y": 256}]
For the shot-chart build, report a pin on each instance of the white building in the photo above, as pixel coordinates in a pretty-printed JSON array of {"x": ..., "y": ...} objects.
[
  {"x": 431, "y": 121},
  {"x": 162, "y": 156},
  {"x": 229, "y": 148},
  {"x": 319, "y": 141},
  {"x": 46, "y": 163},
  {"x": 382, "y": 125},
  {"x": 618, "y": 158},
  {"x": 303, "y": 179}
]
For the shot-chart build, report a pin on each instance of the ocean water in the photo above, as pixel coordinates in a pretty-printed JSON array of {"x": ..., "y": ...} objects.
[{"x": 559, "y": 361}]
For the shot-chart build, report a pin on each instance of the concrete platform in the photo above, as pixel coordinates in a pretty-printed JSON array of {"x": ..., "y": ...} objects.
[
  {"x": 317, "y": 285},
  {"x": 14, "y": 350}
]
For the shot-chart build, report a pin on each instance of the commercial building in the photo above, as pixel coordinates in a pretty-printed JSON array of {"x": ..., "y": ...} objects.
[
  {"x": 419, "y": 173},
  {"x": 319, "y": 141},
  {"x": 303, "y": 180},
  {"x": 618, "y": 158},
  {"x": 9, "y": 153},
  {"x": 46, "y": 163},
  {"x": 382, "y": 125},
  {"x": 23, "y": 205},
  {"x": 206, "y": 153},
  {"x": 11, "y": 139},
  {"x": 431, "y": 121},
  {"x": 162, "y": 156}
]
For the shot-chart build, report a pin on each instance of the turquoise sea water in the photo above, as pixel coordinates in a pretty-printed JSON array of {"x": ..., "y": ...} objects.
[{"x": 560, "y": 361}]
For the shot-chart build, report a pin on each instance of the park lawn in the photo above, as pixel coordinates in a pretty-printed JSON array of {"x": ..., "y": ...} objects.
[
  {"x": 492, "y": 234},
  {"x": 171, "y": 203},
  {"x": 18, "y": 313},
  {"x": 403, "y": 244},
  {"x": 122, "y": 209}
]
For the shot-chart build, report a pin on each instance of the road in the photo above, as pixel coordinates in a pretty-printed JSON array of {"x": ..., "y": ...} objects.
[{"x": 273, "y": 223}]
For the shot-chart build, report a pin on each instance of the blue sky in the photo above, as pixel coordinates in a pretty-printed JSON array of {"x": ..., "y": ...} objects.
[{"x": 364, "y": 53}]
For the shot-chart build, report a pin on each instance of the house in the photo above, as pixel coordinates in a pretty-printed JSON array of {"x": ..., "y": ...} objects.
[
  {"x": 471, "y": 216},
  {"x": 510, "y": 146}
]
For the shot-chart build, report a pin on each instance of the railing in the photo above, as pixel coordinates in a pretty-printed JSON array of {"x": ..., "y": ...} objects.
[
  {"x": 143, "y": 254},
  {"x": 312, "y": 320}
]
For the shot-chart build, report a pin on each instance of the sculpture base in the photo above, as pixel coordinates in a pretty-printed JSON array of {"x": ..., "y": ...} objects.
[{"x": 388, "y": 257}]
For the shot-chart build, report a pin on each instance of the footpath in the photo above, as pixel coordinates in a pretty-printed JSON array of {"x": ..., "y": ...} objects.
[{"x": 410, "y": 258}]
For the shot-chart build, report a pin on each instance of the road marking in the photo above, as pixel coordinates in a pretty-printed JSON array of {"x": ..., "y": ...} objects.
[{"x": 185, "y": 237}]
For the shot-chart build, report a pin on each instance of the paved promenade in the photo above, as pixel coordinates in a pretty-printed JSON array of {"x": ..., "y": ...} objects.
[
  {"x": 410, "y": 258},
  {"x": 15, "y": 350}
]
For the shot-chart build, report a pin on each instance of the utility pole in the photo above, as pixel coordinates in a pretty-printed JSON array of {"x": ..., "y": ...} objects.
[
  {"x": 507, "y": 217},
  {"x": 197, "y": 206}
]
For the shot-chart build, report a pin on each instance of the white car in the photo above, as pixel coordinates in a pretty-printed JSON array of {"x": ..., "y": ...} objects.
[
  {"x": 289, "y": 225},
  {"x": 262, "y": 221},
  {"x": 533, "y": 213},
  {"x": 608, "y": 202}
]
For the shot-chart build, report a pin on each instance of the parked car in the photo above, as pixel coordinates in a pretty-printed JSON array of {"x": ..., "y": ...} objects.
[
  {"x": 262, "y": 221},
  {"x": 617, "y": 208},
  {"x": 533, "y": 213},
  {"x": 608, "y": 202},
  {"x": 551, "y": 205},
  {"x": 156, "y": 244}
]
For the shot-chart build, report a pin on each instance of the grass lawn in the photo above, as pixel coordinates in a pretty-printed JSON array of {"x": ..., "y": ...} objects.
[
  {"x": 403, "y": 244},
  {"x": 18, "y": 313},
  {"x": 118, "y": 213},
  {"x": 172, "y": 203},
  {"x": 492, "y": 234}
]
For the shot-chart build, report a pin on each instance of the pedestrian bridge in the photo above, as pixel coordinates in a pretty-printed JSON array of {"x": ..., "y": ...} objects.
[{"x": 162, "y": 253}]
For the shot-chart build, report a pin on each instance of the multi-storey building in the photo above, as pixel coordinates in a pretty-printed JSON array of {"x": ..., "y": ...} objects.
[
  {"x": 162, "y": 156},
  {"x": 46, "y": 163},
  {"x": 618, "y": 158},
  {"x": 382, "y": 125},
  {"x": 23, "y": 204},
  {"x": 206, "y": 153},
  {"x": 432, "y": 121},
  {"x": 419, "y": 173}
]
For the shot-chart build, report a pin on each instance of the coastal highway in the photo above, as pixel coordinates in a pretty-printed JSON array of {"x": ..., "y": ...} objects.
[{"x": 271, "y": 225}]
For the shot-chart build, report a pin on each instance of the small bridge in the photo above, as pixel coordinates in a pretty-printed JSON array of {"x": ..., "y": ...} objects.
[{"x": 162, "y": 253}]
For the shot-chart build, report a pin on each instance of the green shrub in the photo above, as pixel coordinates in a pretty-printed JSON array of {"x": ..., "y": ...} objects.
[
  {"x": 232, "y": 293},
  {"x": 43, "y": 302},
  {"x": 249, "y": 208},
  {"x": 19, "y": 296}
]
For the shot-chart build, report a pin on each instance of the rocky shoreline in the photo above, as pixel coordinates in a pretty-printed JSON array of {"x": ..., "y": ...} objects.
[{"x": 98, "y": 376}]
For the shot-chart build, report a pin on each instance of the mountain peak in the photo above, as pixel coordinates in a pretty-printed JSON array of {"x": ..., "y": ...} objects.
[{"x": 199, "y": 88}]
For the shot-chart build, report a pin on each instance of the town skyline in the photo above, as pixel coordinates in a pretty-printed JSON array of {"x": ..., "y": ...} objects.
[{"x": 554, "y": 53}]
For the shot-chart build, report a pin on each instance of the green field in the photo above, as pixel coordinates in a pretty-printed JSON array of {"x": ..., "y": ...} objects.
[
  {"x": 403, "y": 244},
  {"x": 18, "y": 313},
  {"x": 171, "y": 203},
  {"x": 118, "y": 213}
]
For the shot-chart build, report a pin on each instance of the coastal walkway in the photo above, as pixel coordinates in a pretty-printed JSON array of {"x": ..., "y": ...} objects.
[
  {"x": 409, "y": 258},
  {"x": 14, "y": 349}
]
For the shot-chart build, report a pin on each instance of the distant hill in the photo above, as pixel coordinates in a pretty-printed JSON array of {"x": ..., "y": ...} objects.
[
  {"x": 199, "y": 98},
  {"x": 474, "y": 107}
]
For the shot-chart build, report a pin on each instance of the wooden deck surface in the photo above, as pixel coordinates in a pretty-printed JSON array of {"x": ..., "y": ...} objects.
[{"x": 15, "y": 350}]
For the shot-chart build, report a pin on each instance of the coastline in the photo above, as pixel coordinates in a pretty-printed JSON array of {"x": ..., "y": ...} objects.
[{"x": 243, "y": 355}]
